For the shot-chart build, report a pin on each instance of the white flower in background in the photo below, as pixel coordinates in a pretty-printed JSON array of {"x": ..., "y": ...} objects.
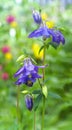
[
  {"x": 18, "y": 1},
  {"x": 12, "y": 32}
]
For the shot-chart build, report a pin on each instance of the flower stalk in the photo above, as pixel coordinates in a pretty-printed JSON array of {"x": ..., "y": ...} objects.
[
  {"x": 18, "y": 93},
  {"x": 43, "y": 109},
  {"x": 34, "y": 120},
  {"x": 43, "y": 113},
  {"x": 44, "y": 62}
]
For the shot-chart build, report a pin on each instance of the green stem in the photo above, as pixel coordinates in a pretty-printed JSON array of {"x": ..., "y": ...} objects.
[
  {"x": 43, "y": 112},
  {"x": 18, "y": 93},
  {"x": 43, "y": 109},
  {"x": 39, "y": 83},
  {"x": 44, "y": 63},
  {"x": 34, "y": 120}
]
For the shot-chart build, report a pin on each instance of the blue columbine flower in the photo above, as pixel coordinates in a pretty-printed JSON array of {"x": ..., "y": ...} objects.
[
  {"x": 28, "y": 73},
  {"x": 45, "y": 32},
  {"x": 29, "y": 102},
  {"x": 37, "y": 17}
]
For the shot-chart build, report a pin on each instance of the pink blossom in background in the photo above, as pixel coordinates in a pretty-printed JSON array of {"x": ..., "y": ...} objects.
[
  {"x": 10, "y": 19},
  {"x": 5, "y": 76},
  {"x": 5, "y": 49}
]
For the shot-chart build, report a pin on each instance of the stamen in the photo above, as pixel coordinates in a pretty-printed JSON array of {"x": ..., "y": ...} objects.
[
  {"x": 29, "y": 83},
  {"x": 30, "y": 76}
]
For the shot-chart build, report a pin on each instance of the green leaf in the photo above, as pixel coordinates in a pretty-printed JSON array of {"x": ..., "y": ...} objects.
[
  {"x": 46, "y": 80},
  {"x": 33, "y": 60},
  {"x": 48, "y": 40},
  {"x": 61, "y": 29},
  {"x": 47, "y": 45},
  {"x": 36, "y": 92},
  {"x": 37, "y": 101},
  {"x": 20, "y": 58},
  {"x": 41, "y": 48},
  {"x": 54, "y": 95},
  {"x": 54, "y": 45},
  {"x": 44, "y": 91}
]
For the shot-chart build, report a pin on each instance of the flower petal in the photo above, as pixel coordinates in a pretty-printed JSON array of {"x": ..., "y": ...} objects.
[
  {"x": 42, "y": 31},
  {"x": 43, "y": 66},
  {"x": 21, "y": 80},
  {"x": 57, "y": 36},
  {"x": 19, "y": 72},
  {"x": 36, "y": 75}
]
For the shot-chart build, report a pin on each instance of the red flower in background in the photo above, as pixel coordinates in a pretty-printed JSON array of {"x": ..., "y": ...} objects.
[
  {"x": 1, "y": 67},
  {"x": 10, "y": 19},
  {"x": 5, "y": 49},
  {"x": 5, "y": 76}
]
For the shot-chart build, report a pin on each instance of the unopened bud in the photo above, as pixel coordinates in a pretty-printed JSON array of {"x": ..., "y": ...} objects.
[
  {"x": 29, "y": 102},
  {"x": 37, "y": 17}
]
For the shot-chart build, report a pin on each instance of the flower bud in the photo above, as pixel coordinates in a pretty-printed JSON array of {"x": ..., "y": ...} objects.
[
  {"x": 29, "y": 102},
  {"x": 37, "y": 17}
]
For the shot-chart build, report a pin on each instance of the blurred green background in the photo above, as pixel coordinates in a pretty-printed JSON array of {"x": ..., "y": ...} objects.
[{"x": 14, "y": 42}]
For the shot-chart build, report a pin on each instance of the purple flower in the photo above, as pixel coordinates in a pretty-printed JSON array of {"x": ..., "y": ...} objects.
[
  {"x": 28, "y": 78},
  {"x": 29, "y": 102},
  {"x": 28, "y": 73},
  {"x": 45, "y": 32},
  {"x": 37, "y": 17},
  {"x": 57, "y": 36},
  {"x": 42, "y": 31}
]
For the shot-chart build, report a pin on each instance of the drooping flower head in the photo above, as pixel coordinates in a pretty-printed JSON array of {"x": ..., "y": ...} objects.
[
  {"x": 45, "y": 32},
  {"x": 28, "y": 73},
  {"x": 29, "y": 102}
]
